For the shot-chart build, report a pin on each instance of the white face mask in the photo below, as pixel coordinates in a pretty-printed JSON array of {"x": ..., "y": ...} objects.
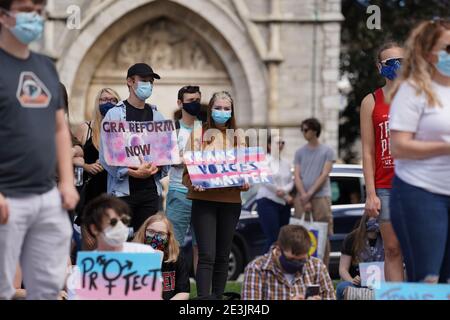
[{"x": 115, "y": 236}]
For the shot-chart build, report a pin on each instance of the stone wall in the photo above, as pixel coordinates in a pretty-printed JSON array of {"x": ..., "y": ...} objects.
[{"x": 280, "y": 58}]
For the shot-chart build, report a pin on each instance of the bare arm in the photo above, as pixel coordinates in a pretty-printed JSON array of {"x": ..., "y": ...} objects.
[
  {"x": 373, "y": 204},
  {"x": 368, "y": 143},
  {"x": 404, "y": 146},
  {"x": 298, "y": 181},
  {"x": 344, "y": 267},
  {"x": 65, "y": 170},
  {"x": 81, "y": 133}
]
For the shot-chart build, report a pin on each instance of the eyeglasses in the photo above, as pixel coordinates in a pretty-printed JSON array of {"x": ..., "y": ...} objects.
[
  {"x": 392, "y": 62},
  {"x": 152, "y": 233},
  {"x": 125, "y": 220},
  {"x": 106, "y": 100},
  {"x": 191, "y": 88}
]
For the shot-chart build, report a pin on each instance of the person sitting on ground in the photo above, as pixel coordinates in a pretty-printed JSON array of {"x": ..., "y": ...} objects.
[
  {"x": 364, "y": 244},
  {"x": 287, "y": 271},
  {"x": 157, "y": 232}
]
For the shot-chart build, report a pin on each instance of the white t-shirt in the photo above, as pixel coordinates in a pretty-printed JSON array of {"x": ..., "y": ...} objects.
[{"x": 412, "y": 113}]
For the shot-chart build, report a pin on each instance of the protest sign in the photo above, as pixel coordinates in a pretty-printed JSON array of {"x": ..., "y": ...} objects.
[
  {"x": 231, "y": 168},
  {"x": 412, "y": 291},
  {"x": 119, "y": 276},
  {"x": 124, "y": 143},
  {"x": 372, "y": 274}
]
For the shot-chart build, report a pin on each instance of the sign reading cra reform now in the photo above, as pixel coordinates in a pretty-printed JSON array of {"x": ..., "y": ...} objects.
[
  {"x": 231, "y": 168},
  {"x": 119, "y": 276},
  {"x": 127, "y": 144}
]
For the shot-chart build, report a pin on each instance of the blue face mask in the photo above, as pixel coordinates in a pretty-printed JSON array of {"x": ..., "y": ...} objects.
[
  {"x": 443, "y": 65},
  {"x": 29, "y": 27},
  {"x": 105, "y": 107},
  {"x": 389, "y": 70},
  {"x": 372, "y": 225},
  {"x": 144, "y": 90},
  {"x": 221, "y": 116}
]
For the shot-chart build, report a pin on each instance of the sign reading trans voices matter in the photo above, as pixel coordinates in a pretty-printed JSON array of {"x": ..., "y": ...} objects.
[
  {"x": 119, "y": 276},
  {"x": 231, "y": 168},
  {"x": 125, "y": 143}
]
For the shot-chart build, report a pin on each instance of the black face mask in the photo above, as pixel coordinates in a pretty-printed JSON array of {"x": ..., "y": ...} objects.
[
  {"x": 193, "y": 108},
  {"x": 291, "y": 266}
]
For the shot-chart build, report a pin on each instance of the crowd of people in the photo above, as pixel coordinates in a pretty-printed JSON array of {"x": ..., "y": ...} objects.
[{"x": 405, "y": 134}]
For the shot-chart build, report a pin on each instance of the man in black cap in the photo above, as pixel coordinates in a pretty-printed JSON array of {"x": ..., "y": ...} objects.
[{"x": 139, "y": 186}]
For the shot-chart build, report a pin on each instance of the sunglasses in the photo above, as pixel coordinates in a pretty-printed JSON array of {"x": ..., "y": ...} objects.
[
  {"x": 106, "y": 100},
  {"x": 152, "y": 233},
  {"x": 391, "y": 62},
  {"x": 125, "y": 220}
]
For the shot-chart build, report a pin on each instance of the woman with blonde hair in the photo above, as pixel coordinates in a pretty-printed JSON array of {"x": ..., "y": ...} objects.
[
  {"x": 157, "y": 232},
  {"x": 420, "y": 138},
  {"x": 95, "y": 177}
]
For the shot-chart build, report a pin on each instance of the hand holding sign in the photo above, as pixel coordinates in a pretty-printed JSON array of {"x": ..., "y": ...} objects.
[{"x": 144, "y": 171}]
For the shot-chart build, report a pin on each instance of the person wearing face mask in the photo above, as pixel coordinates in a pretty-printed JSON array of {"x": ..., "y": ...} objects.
[
  {"x": 106, "y": 218},
  {"x": 139, "y": 186},
  {"x": 95, "y": 177},
  {"x": 364, "y": 244},
  {"x": 420, "y": 139},
  {"x": 378, "y": 164},
  {"x": 158, "y": 233},
  {"x": 178, "y": 207},
  {"x": 34, "y": 140},
  {"x": 215, "y": 212},
  {"x": 286, "y": 270}
]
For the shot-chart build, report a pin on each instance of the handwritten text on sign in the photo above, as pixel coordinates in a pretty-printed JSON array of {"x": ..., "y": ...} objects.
[
  {"x": 221, "y": 169},
  {"x": 125, "y": 142},
  {"x": 412, "y": 291},
  {"x": 119, "y": 276}
]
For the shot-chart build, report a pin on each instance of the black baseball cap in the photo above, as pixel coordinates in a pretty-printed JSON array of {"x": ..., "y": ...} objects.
[{"x": 142, "y": 70}]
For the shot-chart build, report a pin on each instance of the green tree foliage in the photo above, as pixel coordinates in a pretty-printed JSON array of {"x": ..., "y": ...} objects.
[{"x": 359, "y": 46}]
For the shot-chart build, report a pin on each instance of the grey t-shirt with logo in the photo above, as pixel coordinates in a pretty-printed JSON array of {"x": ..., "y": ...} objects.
[
  {"x": 312, "y": 161},
  {"x": 30, "y": 95}
]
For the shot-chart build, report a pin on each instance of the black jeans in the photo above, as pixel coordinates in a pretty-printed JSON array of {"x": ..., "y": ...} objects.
[
  {"x": 143, "y": 204},
  {"x": 214, "y": 224}
]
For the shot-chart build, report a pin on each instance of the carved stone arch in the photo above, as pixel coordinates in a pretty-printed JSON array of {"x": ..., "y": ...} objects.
[{"x": 232, "y": 50}]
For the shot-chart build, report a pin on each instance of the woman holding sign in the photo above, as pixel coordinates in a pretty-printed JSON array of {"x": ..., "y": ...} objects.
[{"x": 215, "y": 212}]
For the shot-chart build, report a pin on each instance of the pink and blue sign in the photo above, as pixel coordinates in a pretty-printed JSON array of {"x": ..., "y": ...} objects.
[
  {"x": 231, "y": 168},
  {"x": 119, "y": 276},
  {"x": 125, "y": 144}
]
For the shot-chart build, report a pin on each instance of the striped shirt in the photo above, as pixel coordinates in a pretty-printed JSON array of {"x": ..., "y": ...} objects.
[{"x": 264, "y": 280}]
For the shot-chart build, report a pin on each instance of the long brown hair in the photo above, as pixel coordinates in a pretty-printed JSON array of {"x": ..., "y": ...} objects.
[
  {"x": 415, "y": 67},
  {"x": 97, "y": 117},
  {"x": 359, "y": 239},
  {"x": 173, "y": 248}
]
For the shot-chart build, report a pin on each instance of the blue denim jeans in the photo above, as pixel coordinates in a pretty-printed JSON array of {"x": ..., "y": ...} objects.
[
  {"x": 384, "y": 196},
  {"x": 178, "y": 211},
  {"x": 272, "y": 216},
  {"x": 340, "y": 288},
  {"x": 421, "y": 222}
]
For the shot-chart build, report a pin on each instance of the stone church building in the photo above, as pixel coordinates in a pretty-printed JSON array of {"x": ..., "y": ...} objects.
[{"x": 279, "y": 58}]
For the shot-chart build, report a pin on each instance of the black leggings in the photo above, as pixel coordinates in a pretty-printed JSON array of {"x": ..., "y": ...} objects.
[{"x": 214, "y": 224}]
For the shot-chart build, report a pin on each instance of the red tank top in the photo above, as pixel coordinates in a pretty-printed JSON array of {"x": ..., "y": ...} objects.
[{"x": 384, "y": 163}]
